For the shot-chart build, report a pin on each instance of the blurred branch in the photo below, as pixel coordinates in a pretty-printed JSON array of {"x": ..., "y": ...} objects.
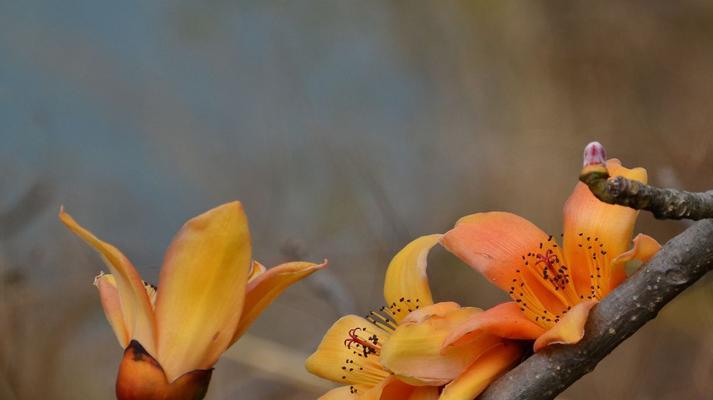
[
  {"x": 24, "y": 210},
  {"x": 679, "y": 264},
  {"x": 277, "y": 360},
  {"x": 664, "y": 203}
]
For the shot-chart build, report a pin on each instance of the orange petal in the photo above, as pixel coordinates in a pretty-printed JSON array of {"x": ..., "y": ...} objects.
[
  {"x": 335, "y": 361},
  {"x": 596, "y": 232},
  {"x": 413, "y": 352},
  {"x": 406, "y": 284},
  {"x": 494, "y": 244},
  {"x": 135, "y": 305},
  {"x": 201, "y": 289},
  {"x": 109, "y": 295},
  {"x": 141, "y": 377},
  {"x": 486, "y": 369},
  {"x": 570, "y": 329},
  {"x": 388, "y": 389},
  {"x": 504, "y": 320},
  {"x": 256, "y": 270},
  {"x": 645, "y": 247},
  {"x": 265, "y": 288},
  {"x": 424, "y": 393}
]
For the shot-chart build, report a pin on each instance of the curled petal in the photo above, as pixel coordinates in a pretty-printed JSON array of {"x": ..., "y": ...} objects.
[
  {"x": 504, "y": 320},
  {"x": 439, "y": 309},
  {"x": 645, "y": 247},
  {"x": 413, "y": 352},
  {"x": 495, "y": 244},
  {"x": 406, "y": 285},
  {"x": 486, "y": 369},
  {"x": 596, "y": 229},
  {"x": 339, "y": 361},
  {"x": 109, "y": 295},
  {"x": 569, "y": 330},
  {"x": 256, "y": 270},
  {"x": 202, "y": 288},
  {"x": 135, "y": 304},
  {"x": 142, "y": 378},
  {"x": 262, "y": 290}
]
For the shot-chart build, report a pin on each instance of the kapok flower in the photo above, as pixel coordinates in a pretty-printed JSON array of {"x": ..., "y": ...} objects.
[
  {"x": 553, "y": 288},
  {"x": 396, "y": 353},
  {"x": 209, "y": 292}
]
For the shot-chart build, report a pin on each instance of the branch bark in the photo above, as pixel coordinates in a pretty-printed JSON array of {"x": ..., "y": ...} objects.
[{"x": 663, "y": 203}]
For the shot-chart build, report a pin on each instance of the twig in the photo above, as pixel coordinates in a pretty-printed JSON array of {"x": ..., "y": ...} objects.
[
  {"x": 663, "y": 203},
  {"x": 679, "y": 264}
]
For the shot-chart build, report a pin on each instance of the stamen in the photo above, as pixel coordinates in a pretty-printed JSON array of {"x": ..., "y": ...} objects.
[{"x": 365, "y": 344}]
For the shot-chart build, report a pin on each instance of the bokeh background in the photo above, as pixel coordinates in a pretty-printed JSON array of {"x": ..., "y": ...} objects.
[{"x": 347, "y": 129}]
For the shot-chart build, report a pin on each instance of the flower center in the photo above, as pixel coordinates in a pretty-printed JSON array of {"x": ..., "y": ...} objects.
[
  {"x": 365, "y": 345},
  {"x": 543, "y": 287},
  {"x": 598, "y": 261}
]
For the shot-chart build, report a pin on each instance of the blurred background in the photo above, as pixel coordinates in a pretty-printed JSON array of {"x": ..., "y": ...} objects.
[{"x": 347, "y": 129}]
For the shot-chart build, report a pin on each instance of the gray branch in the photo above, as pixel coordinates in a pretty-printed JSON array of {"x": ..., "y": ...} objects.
[{"x": 663, "y": 203}]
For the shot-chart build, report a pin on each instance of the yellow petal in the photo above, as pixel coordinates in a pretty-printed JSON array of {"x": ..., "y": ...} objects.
[
  {"x": 406, "y": 284},
  {"x": 505, "y": 320},
  {"x": 596, "y": 232},
  {"x": 136, "y": 306},
  {"x": 645, "y": 247},
  {"x": 265, "y": 288},
  {"x": 335, "y": 359},
  {"x": 393, "y": 389},
  {"x": 414, "y": 350},
  {"x": 256, "y": 270},
  {"x": 201, "y": 289},
  {"x": 486, "y": 369},
  {"x": 344, "y": 393},
  {"x": 109, "y": 295},
  {"x": 569, "y": 330}
]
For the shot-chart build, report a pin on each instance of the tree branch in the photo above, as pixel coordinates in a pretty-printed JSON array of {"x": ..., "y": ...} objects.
[
  {"x": 663, "y": 203},
  {"x": 678, "y": 265}
]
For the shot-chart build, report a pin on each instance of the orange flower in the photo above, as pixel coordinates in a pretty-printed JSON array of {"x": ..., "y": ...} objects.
[
  {"x": 209, "y": 292},
  {"x": 553, "y": 289},
  {"x": 396, "y": 353}
]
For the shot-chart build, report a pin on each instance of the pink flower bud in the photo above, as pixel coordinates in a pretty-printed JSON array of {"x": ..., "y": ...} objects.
[{"x": 594, "y": 154}]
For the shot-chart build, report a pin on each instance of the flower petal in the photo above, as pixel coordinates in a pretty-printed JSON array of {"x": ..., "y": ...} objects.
[
  {"x": 504, "y": 320},
  {"x": 596, "y": 229},
  {"x": 201, "y": 289},
  {"x": 570, "y": 329},
  {"x": 406, "y": 284},
  {"x": 135, "y": 305},
  {"x": 109, "y": 295},
  {"x": 256, "y": 270},
  {"x": 496, "y": 245},
  {"x": 335, "y": 361},
  {"x": 344, "y": 393},
  {"x": 413, "y": 352},
  {"x": 645, "y": 247},
  {"x": 486, "y": 369},
  {"x": 265, "y": 288}
]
